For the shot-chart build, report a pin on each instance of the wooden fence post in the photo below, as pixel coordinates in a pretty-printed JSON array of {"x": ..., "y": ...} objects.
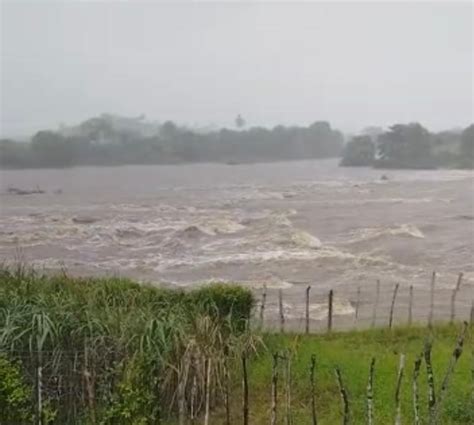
[
  {"x": 262, "y": 305},
  {"x": 89, "y": 377},
  {"x": 370, "y": 393},
  {"x": 39, "y": 388},
  {"x": 273, "y": 420},
  {"x": 330, "y": 306},
  {"x": 472, "y": 313},
  {"x": 453, "y": 297},
  {"x": 398, "y": 417},
  {"x": 344, "y": 397},
  {"x": 376, "y": 303},
  {"x": 282, "y": 313},
  {"x": 392, "y": 306},
  {"x": 307, "y": 309},
  {"x": 357, "y": 306},
  {"x": 245, "y": 390},
  {"x": 416, "y": 395},
  {"x": 410, "y": 306},
  {"x": 430, "y": 378},
  {"x": 193, "y": 399},
  {"x": 208, "y": 391},
  {"x": 289, "y": 418},
  {"x": 432, "y": 291},
  {"x": 313, "y": 390},
  {"x": 227, "y": 390},
  {"x": 444, "y": 385}
]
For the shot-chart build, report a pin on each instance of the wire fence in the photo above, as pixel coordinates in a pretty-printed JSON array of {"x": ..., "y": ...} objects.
[{"x": 313, "y": 310}]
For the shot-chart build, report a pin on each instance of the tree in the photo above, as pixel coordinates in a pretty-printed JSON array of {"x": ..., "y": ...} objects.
[
  {"x": 239, "y": 121},
  {"x": 169, "y": 130},
  {"x": 52, "y": 149},
  {"x": 467, "y": 142},
  {"x": 405, "y": 145},
  {"x": 359, "y": 152}
]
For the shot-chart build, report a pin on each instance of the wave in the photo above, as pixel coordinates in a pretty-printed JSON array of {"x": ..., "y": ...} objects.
[
  {"x": 317, "y": 311},
  {"x": 305, "y": 240},
  {"x": 275, "y": 255},
  {"x": 370, "y": 233}
]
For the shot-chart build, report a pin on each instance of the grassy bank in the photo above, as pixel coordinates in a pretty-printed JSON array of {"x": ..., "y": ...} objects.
[
  {"x": 352, "y": 352},
  {"x": 109, "y": 351}
]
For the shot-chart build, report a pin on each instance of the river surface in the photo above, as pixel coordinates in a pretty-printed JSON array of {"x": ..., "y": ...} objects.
[{"x": 286, "y": 225}]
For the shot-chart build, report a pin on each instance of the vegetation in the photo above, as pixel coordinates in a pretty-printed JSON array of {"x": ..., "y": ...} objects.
[
  {"x": 109, "y": 351},
  {"x": 359, "y": 152},
  {"x": 114, "y": 140},
  {"x": 111, "y": 140},
  {"x": 352, "y": 352},
  {"x": 411, "y": 146},
  {"x": 112, "y": 351},
  {"x": 407, "y": 146}
]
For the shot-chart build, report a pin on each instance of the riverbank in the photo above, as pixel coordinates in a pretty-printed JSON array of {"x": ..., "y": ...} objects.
[{"x": 112, "y": 351}]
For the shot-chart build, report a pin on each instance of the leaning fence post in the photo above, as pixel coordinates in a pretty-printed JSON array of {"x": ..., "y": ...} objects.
[
  {"x": 398, "y": 417},
  {"x": 280, "y": 308},
  {"x": 307, "y": 309},
  {"x": 376, "y": 304},
  {"x": 392, "y": 306},
  {"x": 344, "y": 397},
  {"x": 262, "y": 305},
  {"x": 410, "y": 306},
  {"x": 453, "y": 297},
  {"x": 454, "y": 359},
  {"x": 432, "y": 291},
  {"x": 330, "y": 306}
]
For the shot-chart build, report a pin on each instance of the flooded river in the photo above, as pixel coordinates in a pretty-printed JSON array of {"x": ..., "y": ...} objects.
[{"x": 287, "y": 225}]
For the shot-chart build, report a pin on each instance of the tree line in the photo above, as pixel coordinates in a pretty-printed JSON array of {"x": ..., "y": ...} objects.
[
  {"x": 112, "y": 140},
  {"x": 411, "y": 146}
]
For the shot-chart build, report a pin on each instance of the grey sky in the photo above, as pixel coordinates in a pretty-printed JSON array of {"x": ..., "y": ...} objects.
[{"x": 354, "y": 64}]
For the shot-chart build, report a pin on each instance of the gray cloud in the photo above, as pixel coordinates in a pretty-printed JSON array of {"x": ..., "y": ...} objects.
[{"x": 354, "y": 64}]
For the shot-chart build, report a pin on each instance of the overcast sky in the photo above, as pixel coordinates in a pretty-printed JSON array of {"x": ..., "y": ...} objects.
[{"x": 354, "y": 64}]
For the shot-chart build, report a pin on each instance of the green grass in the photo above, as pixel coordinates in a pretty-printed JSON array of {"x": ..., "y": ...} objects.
[
  {"x": 352, "y": 352},
  {"x": 139, "y": 342}
]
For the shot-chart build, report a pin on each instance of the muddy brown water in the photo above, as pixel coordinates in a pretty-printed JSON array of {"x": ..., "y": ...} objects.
[{"x": 287, "y": 225}]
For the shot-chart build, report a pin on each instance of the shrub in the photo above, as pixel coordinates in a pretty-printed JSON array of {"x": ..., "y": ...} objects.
[
  {"x": 224, "y": 301},
  {"x": 15, "y": 395}
]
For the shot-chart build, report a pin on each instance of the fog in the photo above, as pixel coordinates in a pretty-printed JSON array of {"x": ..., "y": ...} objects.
[{"x": 199, "y": 64}]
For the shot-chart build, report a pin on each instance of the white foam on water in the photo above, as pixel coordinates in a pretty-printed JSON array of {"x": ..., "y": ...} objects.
[
  {"x": 317, "y": 311},
  {"x": 341, "y": 307},
  {"x": 304, "y": 239},
  {"x": 369, "y": 233}
]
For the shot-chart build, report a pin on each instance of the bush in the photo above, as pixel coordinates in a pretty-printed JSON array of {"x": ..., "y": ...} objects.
[
  {"x": 359, "y": 152},
  {"x": 15, "y": 395},
  {"x": 225, "y": 302}
]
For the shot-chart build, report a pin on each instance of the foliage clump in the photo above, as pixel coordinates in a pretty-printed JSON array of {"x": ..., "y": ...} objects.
[{"x": 111, "y": 350}]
